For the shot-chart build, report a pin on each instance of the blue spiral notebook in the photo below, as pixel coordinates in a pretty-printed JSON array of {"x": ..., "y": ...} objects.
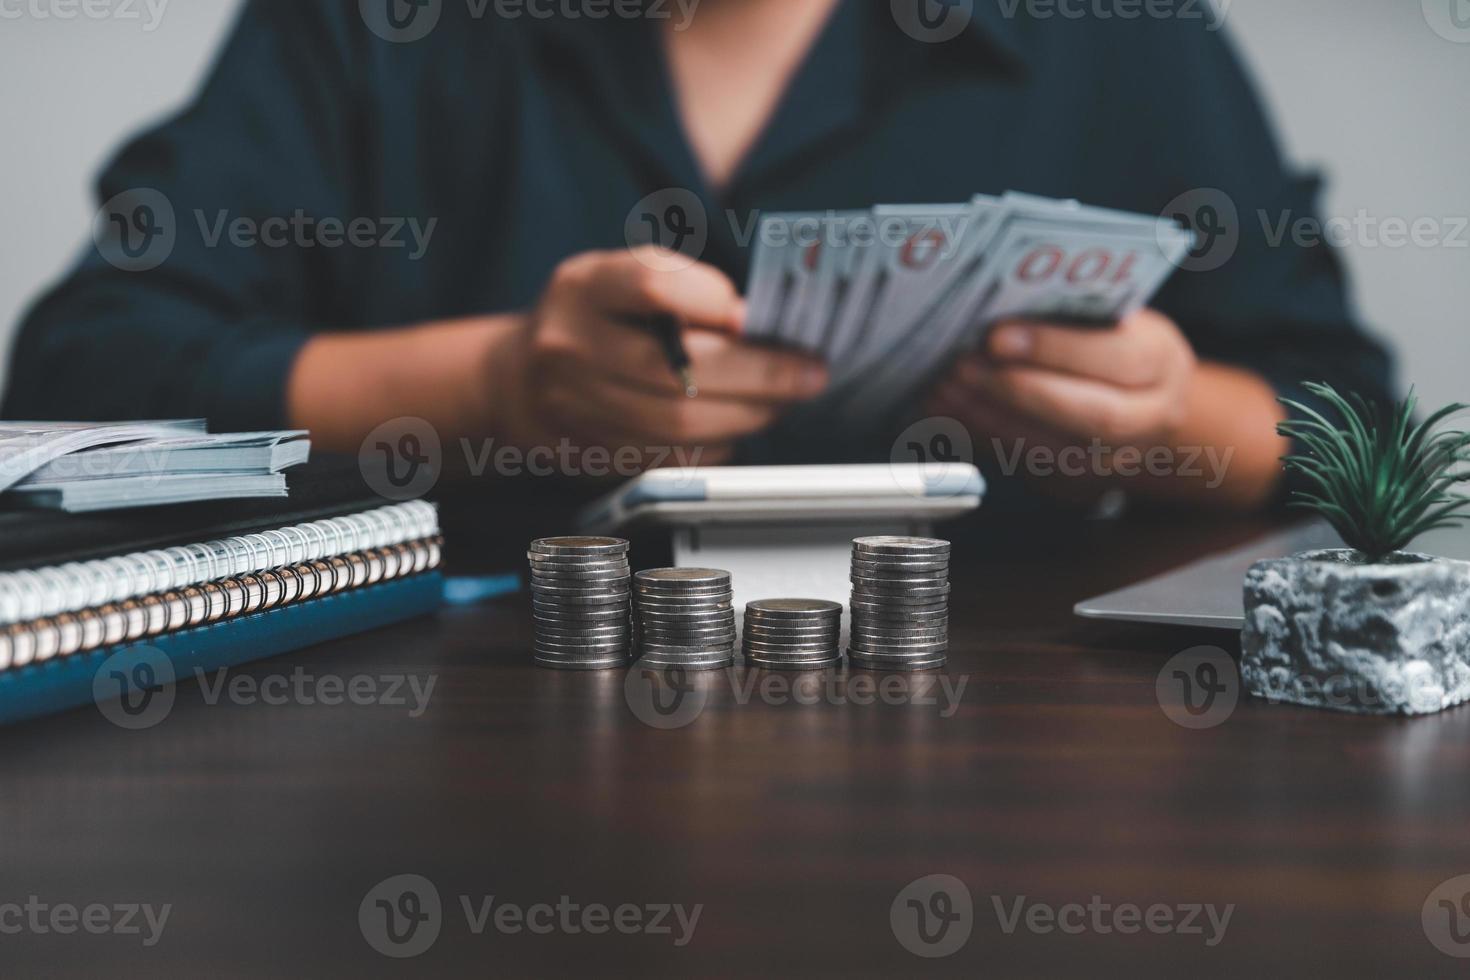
[
  {"x": 125, "y": 672},
  {"x": 74, "y": 632}
]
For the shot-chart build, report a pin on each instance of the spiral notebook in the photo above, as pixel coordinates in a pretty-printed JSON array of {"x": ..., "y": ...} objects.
[{"x": 200, "y": 602}]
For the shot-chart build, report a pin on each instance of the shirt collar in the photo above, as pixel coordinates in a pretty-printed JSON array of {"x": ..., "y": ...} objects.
[{"x": 842, "y": 78}]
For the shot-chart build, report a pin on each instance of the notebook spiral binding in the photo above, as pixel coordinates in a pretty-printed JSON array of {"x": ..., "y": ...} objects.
[
  {"x": 210, "y": 602},
  {"x": 75, "y": 586}
]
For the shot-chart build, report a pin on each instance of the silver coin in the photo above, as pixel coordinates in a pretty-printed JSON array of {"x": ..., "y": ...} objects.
[
  {"x": 687, "y": 605},
  {"x": 722, "y": 595},
  {"x": 573, "y": 571},
  {"x": 559, "y": 611},
  {"x": 678, "y": 634},
  {"x": 821, "y": 664},
  {"x": 791, "y": 644},
  {"x": 792, "y": 628},
  {"x": 796, "y": 632},
  {"x": 898, "y": 649},
  {"x": 684, "y": 650},
  {"x": 685, "y": 654},
  {"x": 809, "y": 639},
  {"x": 680, "y": 603},
  {"x": 699, "y": 592},
  {"x": 710, "y": 663},
  {"x": 554, "y": 582},
  {"x": 577, "y": 561},
  {"x": 873, "y": 587},
  {"x": 565, "y": 633},
  {"x": 869, "y": 572},
  {"x": 904, "y": 586},
  {"x": 582, "y": 627},
  {"x": 861, "y": 662},
  {"x": 675, "y": 587},
  {"x": 574, "y": 596},
  {"x": 898, "y": 582},
  {"x": 571, "y": 647},
  {"x": 703, "y": 617},
  {"x": 579, "y": 606},
  {"x": 577, "y": 574},
  {"x": 579, "y": 545},
  {"x": 676, "y": 637},
  {"x": 571, "y": 638},
  {"x": 876, "y": 640},
  {"x": 620, "y": 651},
  {"x": 798, "y": 626},
  {"x": 610, "y": 662},
  {"x": 575, "y": 608},
  {"x": 899, "y": 626},
  {"x": 792, "y": 608},
  {"x": 696, "y": 626},
  {"x": 900, "y": 622},
  {"x": 863, "y": 597},
  {"x": 899, "y": 546},
  {"x": 899, "y": 629},
  {"x": 789, "y": 654},
  {"x": 576, "y": 602},
  {"x": 579, "y": 571},
  {"x": 882, "y": 566},
  {"x": 679, "y": 578},
  {"x": 569, "y": 652},
  {"x": 580, "y": 586},
  {"x": 582, "y": 653},
  {"x": 802, "y": 652},
  {"x": 665, "y": 629},
  {"x": 691, "y": 616},
  {"x": 859, "y": 603},
  {"x": 606, "y": 623}
]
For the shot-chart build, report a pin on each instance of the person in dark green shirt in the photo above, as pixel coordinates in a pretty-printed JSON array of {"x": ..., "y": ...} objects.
[{"x": 396, "y": 208}]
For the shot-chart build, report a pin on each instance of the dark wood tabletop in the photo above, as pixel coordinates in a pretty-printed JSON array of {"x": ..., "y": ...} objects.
[{"x": 1054, "y": 784}]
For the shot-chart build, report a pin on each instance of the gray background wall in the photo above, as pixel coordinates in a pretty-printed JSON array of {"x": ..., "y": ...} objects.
[{"x": 1366, "y": 90}]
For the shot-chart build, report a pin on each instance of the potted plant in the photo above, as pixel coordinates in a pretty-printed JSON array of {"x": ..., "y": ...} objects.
[{"x": 1369, "y": 628}]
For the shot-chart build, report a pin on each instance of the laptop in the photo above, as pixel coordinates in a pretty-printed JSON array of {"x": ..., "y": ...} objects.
[{"x": 1209, "y": 592}]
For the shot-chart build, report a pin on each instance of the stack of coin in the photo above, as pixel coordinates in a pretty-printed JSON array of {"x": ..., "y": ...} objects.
[
  {"x": 792, "y": 634},
  {"x": 900, "y": 603},
  {"x": 580, "y": 602},
  {"x": 686, "y": 618}
]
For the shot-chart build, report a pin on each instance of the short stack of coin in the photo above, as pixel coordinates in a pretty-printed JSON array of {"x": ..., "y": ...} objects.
[
  {"x": 580, "y": 602},
  {"x": 900, "y": 603},
  {"x": 686, "y": 618},
  {"x": 792, "y": 634}
]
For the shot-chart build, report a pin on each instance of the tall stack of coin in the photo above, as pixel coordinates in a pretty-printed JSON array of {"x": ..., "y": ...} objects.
[
  {"x": 900, "y": 603},
  {"x": 792, "y": 634},
  {"x": 580, "y": 602},
  {"x": 686, "y": 617}
]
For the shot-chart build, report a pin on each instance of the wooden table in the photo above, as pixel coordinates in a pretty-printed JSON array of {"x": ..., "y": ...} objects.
[{"x": 1057, "y": 777}]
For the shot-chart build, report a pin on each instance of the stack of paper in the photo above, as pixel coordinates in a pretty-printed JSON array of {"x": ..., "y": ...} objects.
[{"x": 85, "y": 466}]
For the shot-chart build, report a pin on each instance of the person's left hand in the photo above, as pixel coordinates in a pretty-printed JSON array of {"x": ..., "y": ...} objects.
[{"x": 1127, "y": 385}]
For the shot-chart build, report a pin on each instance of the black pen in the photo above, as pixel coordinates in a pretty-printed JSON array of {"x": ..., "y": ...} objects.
[{"x": 665, "y": 328}]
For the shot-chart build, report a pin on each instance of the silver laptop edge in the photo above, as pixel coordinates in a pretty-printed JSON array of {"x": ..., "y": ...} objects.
[{"x": 1209, "y": 593}]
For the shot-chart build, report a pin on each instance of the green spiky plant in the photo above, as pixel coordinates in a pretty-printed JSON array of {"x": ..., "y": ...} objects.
[{"x": 1380, "y": 481}]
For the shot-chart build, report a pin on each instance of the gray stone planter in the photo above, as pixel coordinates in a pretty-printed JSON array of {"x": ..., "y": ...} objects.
[{"x": 1326, "y": 631}]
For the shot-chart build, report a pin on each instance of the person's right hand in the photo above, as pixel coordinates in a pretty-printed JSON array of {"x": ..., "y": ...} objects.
[{"x": 583, "y": 369}]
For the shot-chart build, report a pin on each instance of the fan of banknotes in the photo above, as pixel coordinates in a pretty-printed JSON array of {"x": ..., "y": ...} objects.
[{"x": 887, "y": 296}]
